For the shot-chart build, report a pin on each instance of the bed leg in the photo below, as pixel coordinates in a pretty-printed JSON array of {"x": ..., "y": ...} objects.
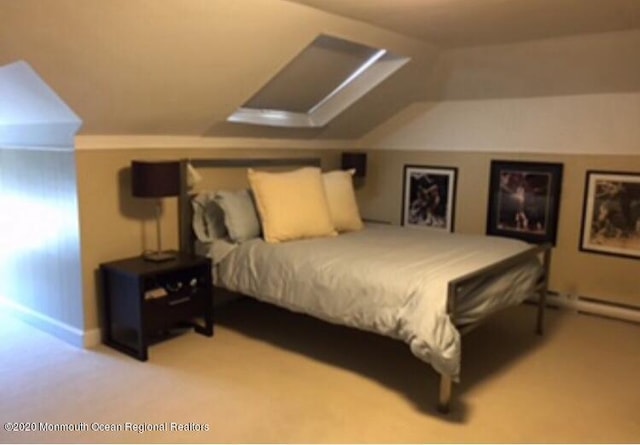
[
  {"x": 542, "y": 295},
  {"x": 542, "y": 301},
  {"x": 444, "y": 399}
]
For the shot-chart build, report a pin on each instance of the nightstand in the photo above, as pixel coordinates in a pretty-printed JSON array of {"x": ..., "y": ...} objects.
[{"x": 144, "y": 301}]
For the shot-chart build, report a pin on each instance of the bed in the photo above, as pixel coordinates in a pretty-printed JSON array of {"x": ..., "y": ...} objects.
[{"x": 422, "y": 287}]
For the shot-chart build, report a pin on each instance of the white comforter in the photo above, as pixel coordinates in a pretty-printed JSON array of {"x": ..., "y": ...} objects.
[{"x": 386, "y": 279}]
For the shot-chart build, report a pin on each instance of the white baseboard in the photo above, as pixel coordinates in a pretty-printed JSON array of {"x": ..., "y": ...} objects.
[
  {"x": 594, "y": 306},
  {"x": 65, "y": 332}
]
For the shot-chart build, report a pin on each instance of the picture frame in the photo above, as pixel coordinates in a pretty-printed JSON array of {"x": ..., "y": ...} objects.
[
  {"x": 611, "y": 214},
  {"x": 524, "y": 200},
  {"x": 428, "y": 197}
]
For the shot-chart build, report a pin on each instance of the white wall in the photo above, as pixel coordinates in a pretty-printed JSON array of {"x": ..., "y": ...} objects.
[
  {"x": 40, "y": 261},
  {"x": 580, "y": 124},
  {"x": 40, "y": 275},
  {"x": 565, "y": 95}
]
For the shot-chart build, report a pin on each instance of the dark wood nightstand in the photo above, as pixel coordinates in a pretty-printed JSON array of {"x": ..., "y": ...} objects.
[{"x": 144, "y": 301}]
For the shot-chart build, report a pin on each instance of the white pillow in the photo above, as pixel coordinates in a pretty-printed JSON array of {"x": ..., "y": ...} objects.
[
  {"x": 291, "y": 205},
  {"x": 341, "y": 197}
]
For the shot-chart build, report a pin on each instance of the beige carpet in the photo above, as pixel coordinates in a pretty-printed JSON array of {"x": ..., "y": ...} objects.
[{"x": 272, "y": 376}]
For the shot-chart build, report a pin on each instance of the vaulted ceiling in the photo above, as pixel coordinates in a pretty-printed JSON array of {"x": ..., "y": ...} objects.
[{"x": 180, "y": 67}]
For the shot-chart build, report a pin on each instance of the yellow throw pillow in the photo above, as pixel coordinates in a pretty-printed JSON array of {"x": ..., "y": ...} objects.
[
  {"x": 291, "y": 205},
  {"x": 343, "y": 207}
]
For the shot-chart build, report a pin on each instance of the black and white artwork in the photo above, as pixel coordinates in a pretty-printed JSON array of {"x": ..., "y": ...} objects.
[
  {"x": 429, "y": 197},
  {"x": 611, "y": 214}
]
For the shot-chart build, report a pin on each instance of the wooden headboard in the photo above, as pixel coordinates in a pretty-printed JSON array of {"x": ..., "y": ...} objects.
[{"x": 184, "y": 200}]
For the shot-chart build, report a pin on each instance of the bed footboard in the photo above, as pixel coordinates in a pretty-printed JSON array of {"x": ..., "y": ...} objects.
[{"x": 446, "y": 384}]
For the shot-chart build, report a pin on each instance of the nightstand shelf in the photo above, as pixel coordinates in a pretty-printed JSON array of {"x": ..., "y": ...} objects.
[{"x": 145, "y": 301}]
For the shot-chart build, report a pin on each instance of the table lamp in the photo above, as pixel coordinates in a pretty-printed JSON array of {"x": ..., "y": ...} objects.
[{"x": 156, "y": 179}]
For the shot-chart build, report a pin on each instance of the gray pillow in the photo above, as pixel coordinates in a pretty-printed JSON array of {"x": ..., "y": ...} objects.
[
  {"x": 208, "y": 218},
  {"x": 240, "y": 214}
]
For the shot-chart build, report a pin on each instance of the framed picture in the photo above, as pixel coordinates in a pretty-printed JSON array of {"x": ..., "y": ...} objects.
[
  {"x": 429, "y": 197},
  {"x": 611, "y": 214},
  {"x": 523, "y": 200}
]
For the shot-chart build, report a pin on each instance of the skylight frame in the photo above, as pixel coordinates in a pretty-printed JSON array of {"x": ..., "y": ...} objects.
[{"x": 367, "y": 76}]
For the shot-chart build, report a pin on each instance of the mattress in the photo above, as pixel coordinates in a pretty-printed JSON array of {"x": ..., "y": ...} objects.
[{"x": 385, "y": 279}]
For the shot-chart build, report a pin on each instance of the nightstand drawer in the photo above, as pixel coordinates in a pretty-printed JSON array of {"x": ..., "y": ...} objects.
[{"x": 164, "y": 313}]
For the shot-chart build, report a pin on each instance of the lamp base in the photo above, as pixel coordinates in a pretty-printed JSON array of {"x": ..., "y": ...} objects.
[{"x": 158, "y": 257}]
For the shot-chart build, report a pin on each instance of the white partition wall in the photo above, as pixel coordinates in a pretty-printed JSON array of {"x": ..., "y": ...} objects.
[{"x": 40, "y": 262}]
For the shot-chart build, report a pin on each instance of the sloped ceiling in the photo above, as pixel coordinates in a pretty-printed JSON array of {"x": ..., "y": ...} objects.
[
  {"x": 456, "y": 23},
  {"x": 180, "y": 67}
]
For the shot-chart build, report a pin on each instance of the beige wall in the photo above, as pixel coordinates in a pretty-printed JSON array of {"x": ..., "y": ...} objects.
[
  {"x": 579, "y": 273},
  {"x": 115, "y": 225},
  {"x": 574, "y": 100}
]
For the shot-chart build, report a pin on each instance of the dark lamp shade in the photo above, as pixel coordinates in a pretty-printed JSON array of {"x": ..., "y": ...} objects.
[
  {"x": 356, "y": 161},
  {"x": 155, "y": 179}
]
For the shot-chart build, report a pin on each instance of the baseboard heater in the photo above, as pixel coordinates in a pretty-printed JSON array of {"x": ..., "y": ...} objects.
[{"x": 593, "y": 306}]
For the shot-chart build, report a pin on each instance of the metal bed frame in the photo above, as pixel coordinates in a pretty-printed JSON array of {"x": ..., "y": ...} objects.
[{"x": 455, "y": 286}]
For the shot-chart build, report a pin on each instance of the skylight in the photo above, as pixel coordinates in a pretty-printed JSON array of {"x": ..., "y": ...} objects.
[{"x": 323, "y": 80}]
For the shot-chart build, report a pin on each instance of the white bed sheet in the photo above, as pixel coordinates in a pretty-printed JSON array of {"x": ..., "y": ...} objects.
[{"x": 386, "y": 279}]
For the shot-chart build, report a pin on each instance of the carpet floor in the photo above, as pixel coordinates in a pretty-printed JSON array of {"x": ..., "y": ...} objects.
[{"x": 270, "y": 376}]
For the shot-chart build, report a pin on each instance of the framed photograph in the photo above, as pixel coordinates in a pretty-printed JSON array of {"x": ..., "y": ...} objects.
[
  {"x": 611, "y": 214},
  {"x": 523, "y": 200},
  {"x": 429, "y": 197}
]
